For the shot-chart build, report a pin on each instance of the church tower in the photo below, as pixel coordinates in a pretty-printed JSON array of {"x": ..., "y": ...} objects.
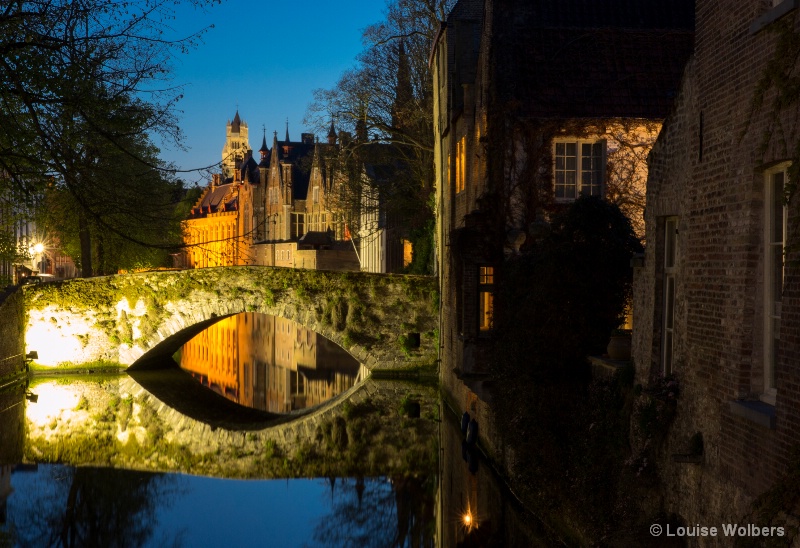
[{"x": 236, "y": 146}]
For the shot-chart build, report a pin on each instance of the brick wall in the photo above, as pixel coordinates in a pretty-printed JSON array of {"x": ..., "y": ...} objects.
[
  {"x": 12, "y": 342},
  {"x": 708, "y": 169}
]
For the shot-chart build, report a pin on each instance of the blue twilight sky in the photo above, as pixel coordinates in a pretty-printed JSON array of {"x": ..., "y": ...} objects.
[{"x": 267, "y": 57}]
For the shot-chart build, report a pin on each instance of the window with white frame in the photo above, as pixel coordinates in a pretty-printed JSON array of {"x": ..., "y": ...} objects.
[
  {"x": 775, "y": 216},
  {"x": 668, "y": 305},
  {"x": 579, "y": 168}
]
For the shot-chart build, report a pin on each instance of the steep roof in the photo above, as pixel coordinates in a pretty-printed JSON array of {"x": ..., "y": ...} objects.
[
  {"x": 301, "y": 156},
  {"x": 249, "y": 169},
  {"x": 583, "y": 58},
  {"x": 215, "y": 199},
  {"x": 586, "y": 14},
  {"x": 236, "y": 124}
]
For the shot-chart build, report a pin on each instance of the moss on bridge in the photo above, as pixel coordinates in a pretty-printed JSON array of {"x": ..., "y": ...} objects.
[
  {"x": 113, "y": 421},
  {"x": 385, "y": 321}
]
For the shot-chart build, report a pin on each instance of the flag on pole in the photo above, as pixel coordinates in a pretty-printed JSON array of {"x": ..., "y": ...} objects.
[{"x": 347, "y": 235}]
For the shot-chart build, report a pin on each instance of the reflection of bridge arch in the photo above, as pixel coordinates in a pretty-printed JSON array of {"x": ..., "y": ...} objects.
[
  {"x": 136, "y": 319},
  {"x": 170, "y": 429},
  {"x": 269, "y": 363}
]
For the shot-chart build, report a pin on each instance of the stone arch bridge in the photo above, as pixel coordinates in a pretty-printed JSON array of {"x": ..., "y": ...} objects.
[{"x": 384, "y": 321}]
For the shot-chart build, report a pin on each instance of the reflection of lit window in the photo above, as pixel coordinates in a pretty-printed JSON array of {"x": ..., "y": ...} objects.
[{"x": 485, "y": 297}]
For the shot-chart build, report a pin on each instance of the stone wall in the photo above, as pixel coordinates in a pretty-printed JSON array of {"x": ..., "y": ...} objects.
[{"x": 134, "y": 317}]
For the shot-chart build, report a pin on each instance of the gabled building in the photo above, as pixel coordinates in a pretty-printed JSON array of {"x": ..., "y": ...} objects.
[
  {"x": 536, "y": 104},
  {"x": 274, "y": 212},
  {"x": 304, "y": 223},
  {"x": 219, "y": 229},
  {"x": 718, "y": 297}
]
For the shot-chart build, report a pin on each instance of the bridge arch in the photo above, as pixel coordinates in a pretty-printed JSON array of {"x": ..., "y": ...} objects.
[{"x": 384, "y": 321}]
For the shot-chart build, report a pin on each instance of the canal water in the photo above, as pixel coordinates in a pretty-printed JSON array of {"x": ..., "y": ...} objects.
[{"x": 266, "y": 435}]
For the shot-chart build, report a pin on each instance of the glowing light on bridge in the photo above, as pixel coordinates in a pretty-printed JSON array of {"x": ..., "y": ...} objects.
[{"x": 54, "y": 338}]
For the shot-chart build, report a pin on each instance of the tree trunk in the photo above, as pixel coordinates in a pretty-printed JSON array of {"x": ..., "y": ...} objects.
[
  {"x": 101, "y": 256},
  {"x": 86, "y": 246}
]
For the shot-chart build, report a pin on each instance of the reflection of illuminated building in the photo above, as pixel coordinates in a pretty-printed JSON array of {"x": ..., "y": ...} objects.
[{"x": 269, "y": 363}]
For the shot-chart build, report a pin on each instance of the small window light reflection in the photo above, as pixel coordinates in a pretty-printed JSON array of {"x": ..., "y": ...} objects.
[{"x": 469, "y": 520}]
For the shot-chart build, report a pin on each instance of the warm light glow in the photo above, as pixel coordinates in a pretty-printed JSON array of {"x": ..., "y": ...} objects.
[
  {"x": 38, "y": 248},
  {"x": 469, "y": 521},
  {"x": 55, "y": 337},
  {"x": 54, "y": 401}
]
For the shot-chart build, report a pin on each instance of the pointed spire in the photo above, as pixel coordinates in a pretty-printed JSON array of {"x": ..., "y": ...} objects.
[
  {"x": 275, "y": 150},
  {"x": 287, "y": 130},
  {"x": 332, "y": 135},
  {"x": 237, "y": 122},
  {"x": 264, "y": 150}
]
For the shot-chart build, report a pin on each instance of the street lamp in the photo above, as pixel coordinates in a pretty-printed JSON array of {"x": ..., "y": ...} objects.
[{"x": 36, "y": 255}]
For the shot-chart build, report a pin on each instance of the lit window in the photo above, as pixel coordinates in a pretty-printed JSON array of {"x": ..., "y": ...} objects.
[
  {"x": 485, "y": 297},
  {"x": 408, "y": 253},
  {"x": 775, "y": 216},
  {"x": 461, "y": 164},
  {"x": 578, "y": 170}
]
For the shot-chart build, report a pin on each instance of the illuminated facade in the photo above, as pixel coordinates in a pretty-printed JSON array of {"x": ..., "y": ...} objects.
[
  {"x": 219, "y": 231},
  {"x": 264, "y": 213}
]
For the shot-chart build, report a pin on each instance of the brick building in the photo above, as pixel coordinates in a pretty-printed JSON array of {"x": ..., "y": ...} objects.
[
  {"x": 536, "y": 104},
  {"x": 717, "y": 306}
]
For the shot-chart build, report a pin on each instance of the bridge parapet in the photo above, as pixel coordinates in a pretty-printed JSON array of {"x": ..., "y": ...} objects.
[{"x": 384, "y": 321}]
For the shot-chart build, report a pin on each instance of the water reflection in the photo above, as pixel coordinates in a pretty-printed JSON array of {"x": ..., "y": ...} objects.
[
  {"x": 65, "y": 506},
  {"x": 269, "y": 363},
  {"x": 53, "y": 505},
  {"x": 380, "y": 512},
  {"x": 100, "y": 423},
  {"x": 477, "y": 508}
]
